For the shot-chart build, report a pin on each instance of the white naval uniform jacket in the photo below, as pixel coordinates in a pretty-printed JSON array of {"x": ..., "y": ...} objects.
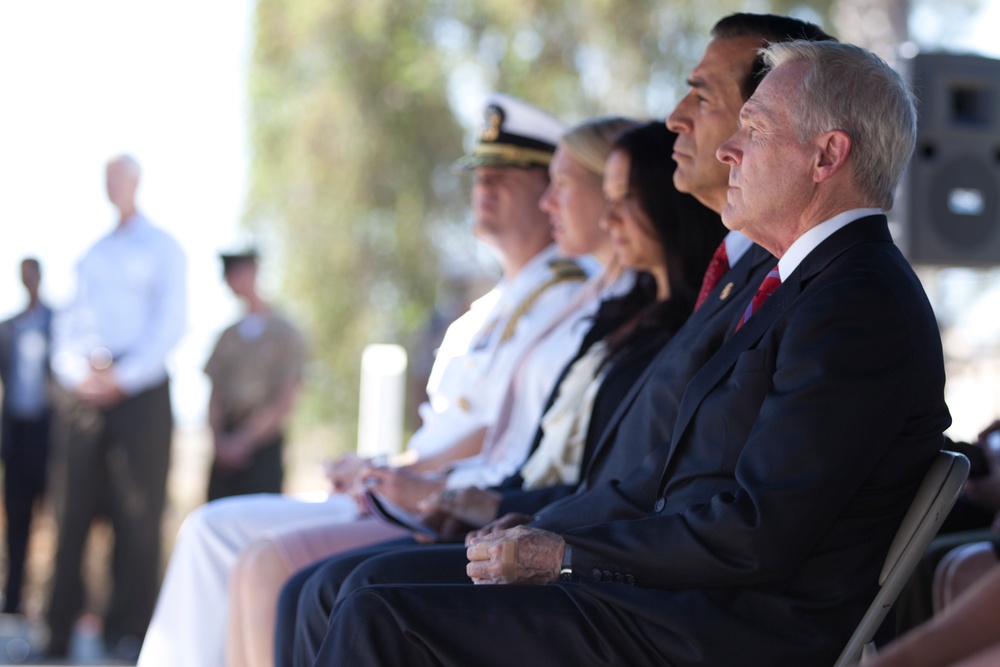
[{"x": 475, "y": 363}]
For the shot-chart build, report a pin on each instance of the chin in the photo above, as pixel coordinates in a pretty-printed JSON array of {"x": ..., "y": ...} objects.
[
  {"x": 681, "y": 183},
  {"x": 731, "y": 219}
]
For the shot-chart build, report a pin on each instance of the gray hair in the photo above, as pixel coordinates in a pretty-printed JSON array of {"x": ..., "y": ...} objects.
[{"x": 850, "y": 89}]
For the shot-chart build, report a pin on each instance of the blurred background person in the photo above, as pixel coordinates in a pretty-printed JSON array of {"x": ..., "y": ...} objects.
[
  {"x": 256, "y": 372},
  {"x": 24, "y": 439},
  {"x": 113, "y": 420}
]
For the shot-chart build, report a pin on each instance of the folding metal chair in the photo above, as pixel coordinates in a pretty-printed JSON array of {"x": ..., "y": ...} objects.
[{"x": 934, "y": 499}]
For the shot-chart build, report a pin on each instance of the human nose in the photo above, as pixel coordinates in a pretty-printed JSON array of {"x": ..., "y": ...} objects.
[
  {"x": 729, "y": 152},
  {"x": 679, "y": 120}
]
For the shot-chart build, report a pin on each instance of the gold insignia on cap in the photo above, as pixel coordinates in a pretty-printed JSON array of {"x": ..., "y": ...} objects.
[
  {"x": 726, "y": 291},
  {"x": 492, "y": 121},
  {"x": 464, "y": 405}
]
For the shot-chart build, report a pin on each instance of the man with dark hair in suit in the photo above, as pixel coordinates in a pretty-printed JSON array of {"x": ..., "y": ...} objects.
[{"x": 796, "y": 450}]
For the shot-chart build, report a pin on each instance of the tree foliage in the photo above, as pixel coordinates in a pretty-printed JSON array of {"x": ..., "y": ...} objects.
[{"x": 358, "y": 108}]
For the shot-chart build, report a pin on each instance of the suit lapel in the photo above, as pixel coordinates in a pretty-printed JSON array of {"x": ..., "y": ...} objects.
[
  {"x": 717, "y": 299},
  {"x": 873, "y": 228}
]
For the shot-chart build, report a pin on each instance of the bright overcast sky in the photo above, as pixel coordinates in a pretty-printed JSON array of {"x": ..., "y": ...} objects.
[{"x": 164, "y": 81}]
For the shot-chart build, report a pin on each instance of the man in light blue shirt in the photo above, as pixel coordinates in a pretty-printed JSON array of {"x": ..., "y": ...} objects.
[{"x": 113, "y": 430}]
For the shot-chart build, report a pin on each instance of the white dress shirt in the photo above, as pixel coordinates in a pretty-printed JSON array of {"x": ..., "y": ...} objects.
[{"x": 806, "y": 243}]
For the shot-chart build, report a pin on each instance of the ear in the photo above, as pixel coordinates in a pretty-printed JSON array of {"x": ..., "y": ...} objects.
[{"x": 833, "y": 148}]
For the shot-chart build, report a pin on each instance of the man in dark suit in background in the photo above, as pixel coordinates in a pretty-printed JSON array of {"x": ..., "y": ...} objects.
[
  {"x": 797, "y": 446},
  {"x": 639, "y": 433},
  {"x": 24, "y": 372}
]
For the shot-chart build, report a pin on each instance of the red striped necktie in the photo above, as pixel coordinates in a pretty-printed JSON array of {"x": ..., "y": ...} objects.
[
  {"x": 717, "y": 268},
  {"x": 771, "y": 283}
]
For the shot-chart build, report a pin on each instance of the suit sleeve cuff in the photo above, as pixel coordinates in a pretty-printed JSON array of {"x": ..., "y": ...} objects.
[{"x": 566, "y": 569}]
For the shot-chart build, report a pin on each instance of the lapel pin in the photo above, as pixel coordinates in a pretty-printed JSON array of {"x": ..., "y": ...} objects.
[{"x": 726, "y": 291}]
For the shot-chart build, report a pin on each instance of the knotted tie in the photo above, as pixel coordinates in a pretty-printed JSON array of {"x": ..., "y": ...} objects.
[
  {"x": 771, "y": 283},
  {"x": 717, "y": 267}
]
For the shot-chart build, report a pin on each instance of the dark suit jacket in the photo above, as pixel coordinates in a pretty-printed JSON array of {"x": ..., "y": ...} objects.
[
  {"x": 796, "y": 451},
  {"x": 610, "y": 455},
  {"x": 620, "y": 375},
  {"x": 638, "y": 435}
]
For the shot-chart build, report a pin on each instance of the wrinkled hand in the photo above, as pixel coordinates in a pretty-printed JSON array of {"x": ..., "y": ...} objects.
[
  {"x": 985, "y": 490},
  {"x": 100, "y": 389},
  {"x": 471, "y": 506},
  {"x": 521, "y": 555},
  {"x": 505, "y": 522},
  {"x": 402, "y": 486}
]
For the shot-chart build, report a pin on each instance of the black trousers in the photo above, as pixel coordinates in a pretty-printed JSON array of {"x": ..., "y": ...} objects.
[
  {"x": 456, "y": 625},
  {"x": 25, "y": 458},
  {"x": 112, "y": 462},
  {"x": 416, "y": 606}
]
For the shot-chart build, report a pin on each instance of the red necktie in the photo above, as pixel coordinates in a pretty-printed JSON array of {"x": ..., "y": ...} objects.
[
  {"x": 771, "y": 283},
  {"x": 717, "y": 267}
]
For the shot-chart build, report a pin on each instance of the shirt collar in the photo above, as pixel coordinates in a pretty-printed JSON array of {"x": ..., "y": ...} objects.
[
  {"x": 809, "y": 241},
  {"x": 135, "y": 221},
  {"x": 736, "y": 245}
]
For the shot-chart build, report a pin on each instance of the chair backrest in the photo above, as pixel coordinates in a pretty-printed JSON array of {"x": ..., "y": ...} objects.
[{"x": 930, "y": 506}]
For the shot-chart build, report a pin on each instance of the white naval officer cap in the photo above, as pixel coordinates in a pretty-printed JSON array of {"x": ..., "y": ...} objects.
[{"x": 514, "y": 134}]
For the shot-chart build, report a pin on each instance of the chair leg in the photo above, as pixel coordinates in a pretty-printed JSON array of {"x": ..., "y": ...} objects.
[{"x": 868, "y": 652}]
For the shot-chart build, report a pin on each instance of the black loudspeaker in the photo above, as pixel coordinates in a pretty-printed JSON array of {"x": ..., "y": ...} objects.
[{"x": 950, "y": 200}]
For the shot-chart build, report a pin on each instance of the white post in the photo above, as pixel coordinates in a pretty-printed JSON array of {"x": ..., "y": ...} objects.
[{"x": 383, "y": 384}]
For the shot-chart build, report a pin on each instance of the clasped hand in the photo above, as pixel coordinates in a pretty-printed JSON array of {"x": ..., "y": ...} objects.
[
  {"x": 521, "y": 555},
  {"x": 100, "y": 389}
]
